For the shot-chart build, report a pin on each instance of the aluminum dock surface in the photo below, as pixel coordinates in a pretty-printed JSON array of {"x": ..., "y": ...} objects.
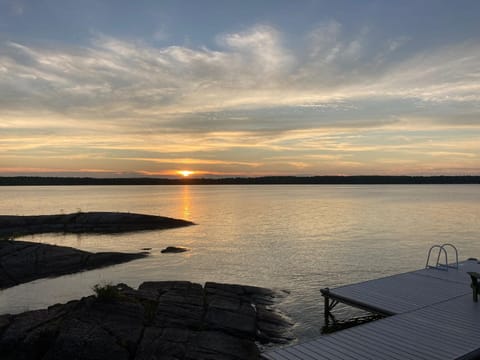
[{"x": 434, "y": 317}]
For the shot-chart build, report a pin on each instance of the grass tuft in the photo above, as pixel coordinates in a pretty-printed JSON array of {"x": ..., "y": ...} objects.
[{"x": 106, "y": 293}]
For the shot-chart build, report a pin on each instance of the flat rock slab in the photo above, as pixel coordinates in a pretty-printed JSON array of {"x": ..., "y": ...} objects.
[
  {"x": 22, "y": 261},
  {"x": 85, "y": 222},
  {"x": 161, "y": 320}
]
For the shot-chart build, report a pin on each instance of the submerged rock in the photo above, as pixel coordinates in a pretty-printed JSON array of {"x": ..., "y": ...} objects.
[
  {"x": 160, "y": 320},
  {"x": 22, "y": 261},
  {"x": 174, "y": 249}
]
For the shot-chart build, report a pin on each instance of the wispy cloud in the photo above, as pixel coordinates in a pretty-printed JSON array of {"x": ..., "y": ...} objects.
[
  {"x": 255, "y": 91},
  {"x": 252, "y": 69}
]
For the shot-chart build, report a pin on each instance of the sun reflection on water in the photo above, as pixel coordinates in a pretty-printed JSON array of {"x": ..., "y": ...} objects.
[{"x": 186, "y": 203}]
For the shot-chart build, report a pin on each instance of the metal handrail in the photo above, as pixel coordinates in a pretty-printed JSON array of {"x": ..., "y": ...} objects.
[
  {"x": 440, "y": 249},
  {"x": 456, "y": 255},
  {"x": 438, "y": 265}
]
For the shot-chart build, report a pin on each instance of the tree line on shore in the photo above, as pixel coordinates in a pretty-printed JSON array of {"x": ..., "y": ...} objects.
[{"x": 264, "y": 180}]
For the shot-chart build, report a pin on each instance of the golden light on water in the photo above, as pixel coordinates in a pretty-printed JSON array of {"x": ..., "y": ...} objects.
[
  {"x": 185, "y": 173},
  {"x": 186, "y": 203}
]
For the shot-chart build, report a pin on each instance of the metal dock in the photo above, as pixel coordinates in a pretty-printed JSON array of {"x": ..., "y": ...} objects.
[{"x": 434, "y": 317}]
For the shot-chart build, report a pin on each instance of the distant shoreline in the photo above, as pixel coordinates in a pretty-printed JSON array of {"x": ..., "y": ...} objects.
[{"x": 265, "y": 180}]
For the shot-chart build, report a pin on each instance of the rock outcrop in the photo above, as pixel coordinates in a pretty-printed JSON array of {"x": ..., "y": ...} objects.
[
  {"x": 161, "y": 320},
  {"x": 85, "y": 222},
  {"x": 22, "y": 261},
  {"x": 174, "y": 249}
]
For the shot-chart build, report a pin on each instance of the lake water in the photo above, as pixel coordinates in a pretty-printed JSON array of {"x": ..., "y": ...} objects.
[{"x": 297, "y": 238}]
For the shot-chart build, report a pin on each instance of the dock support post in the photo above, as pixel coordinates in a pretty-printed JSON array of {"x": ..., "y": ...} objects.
[{"x": 328, "y": 306}]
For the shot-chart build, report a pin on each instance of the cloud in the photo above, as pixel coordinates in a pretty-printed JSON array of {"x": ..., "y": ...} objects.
[
  {"x": 115, "y": 78},
  {"x": 255, "y": 101},
  {"x": 259, "y": 50},
  {"x": 447, "y": 74},
  {"x": 330, "y": 49}
]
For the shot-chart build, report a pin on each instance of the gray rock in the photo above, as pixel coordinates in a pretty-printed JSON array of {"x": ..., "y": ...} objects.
[
  {"x": 179, "y": 315},
  {"x": 163, "y": 286},
  {"x": 22, "y": 261},
  {"x": 174, "y": 249},
  {"x": 80, "y": 340},
  {"x": 224, "y": 289},
  {"x": 273, "y": 326},
  {"x": 32, "y": 332},
  {"x": 271, "y": 316},
  {"x": 21, "y": 325},
  {"x": 124, "y": 320},
  {"x": 4, "y": 322},
  {"x": 85, "y": 222},
  {"x": 224, "y": 302},
  {"x": 232, "y": 322},
  {"x": 218, "y": 345},
  {"x": 168, "y": 343},
  {"x": 159, "y": 321}
]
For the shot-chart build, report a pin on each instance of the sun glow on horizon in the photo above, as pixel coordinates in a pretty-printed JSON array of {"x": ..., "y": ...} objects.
[{"x": 185, "y": 173}]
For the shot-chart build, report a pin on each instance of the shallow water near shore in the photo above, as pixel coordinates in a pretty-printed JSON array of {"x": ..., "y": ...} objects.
[{"x": 295, "y": 238}]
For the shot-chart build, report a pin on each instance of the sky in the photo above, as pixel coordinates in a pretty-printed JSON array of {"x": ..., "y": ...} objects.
[{"x": 239, "y": 88}]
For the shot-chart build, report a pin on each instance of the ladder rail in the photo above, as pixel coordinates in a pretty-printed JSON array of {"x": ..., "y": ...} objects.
[
  {"x": 439, "y": 265},
  {"x": 442, "y": 249},
  {"x": 456, "y": 255}
]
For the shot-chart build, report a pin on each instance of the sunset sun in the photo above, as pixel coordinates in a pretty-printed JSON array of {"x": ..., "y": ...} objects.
[{"x": 185, "y": 173}]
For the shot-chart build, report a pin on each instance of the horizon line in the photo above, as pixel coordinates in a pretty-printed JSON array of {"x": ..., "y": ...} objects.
[{"x": 262, "y": 180}]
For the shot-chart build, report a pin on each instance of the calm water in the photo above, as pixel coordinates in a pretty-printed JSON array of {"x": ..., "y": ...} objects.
[{"x": 294, "y": 238}]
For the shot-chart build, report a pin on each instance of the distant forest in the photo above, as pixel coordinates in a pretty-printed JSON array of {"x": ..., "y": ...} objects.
[{"x": 266, "y": 180}]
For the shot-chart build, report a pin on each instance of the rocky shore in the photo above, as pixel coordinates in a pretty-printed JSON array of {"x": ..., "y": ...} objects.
[
  {"x": 164, "y": 320},
  {"x": 161, "y": 320},
  {"x": 85, "y": 222},
  {"x": 22, "y": 261}
]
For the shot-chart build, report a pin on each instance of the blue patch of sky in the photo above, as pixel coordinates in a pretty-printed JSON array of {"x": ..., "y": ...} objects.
[{"x": 197, "y": 23}]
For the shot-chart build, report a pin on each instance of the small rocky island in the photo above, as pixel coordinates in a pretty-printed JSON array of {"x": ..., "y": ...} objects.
[
  {"x": 85, "y": 222},
  {"x": 161, "y": 320},
  {"x": 22, "y": 261}
]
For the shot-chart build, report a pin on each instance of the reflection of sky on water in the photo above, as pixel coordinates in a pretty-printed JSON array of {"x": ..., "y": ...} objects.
[{"x": 297, "y": 238}]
